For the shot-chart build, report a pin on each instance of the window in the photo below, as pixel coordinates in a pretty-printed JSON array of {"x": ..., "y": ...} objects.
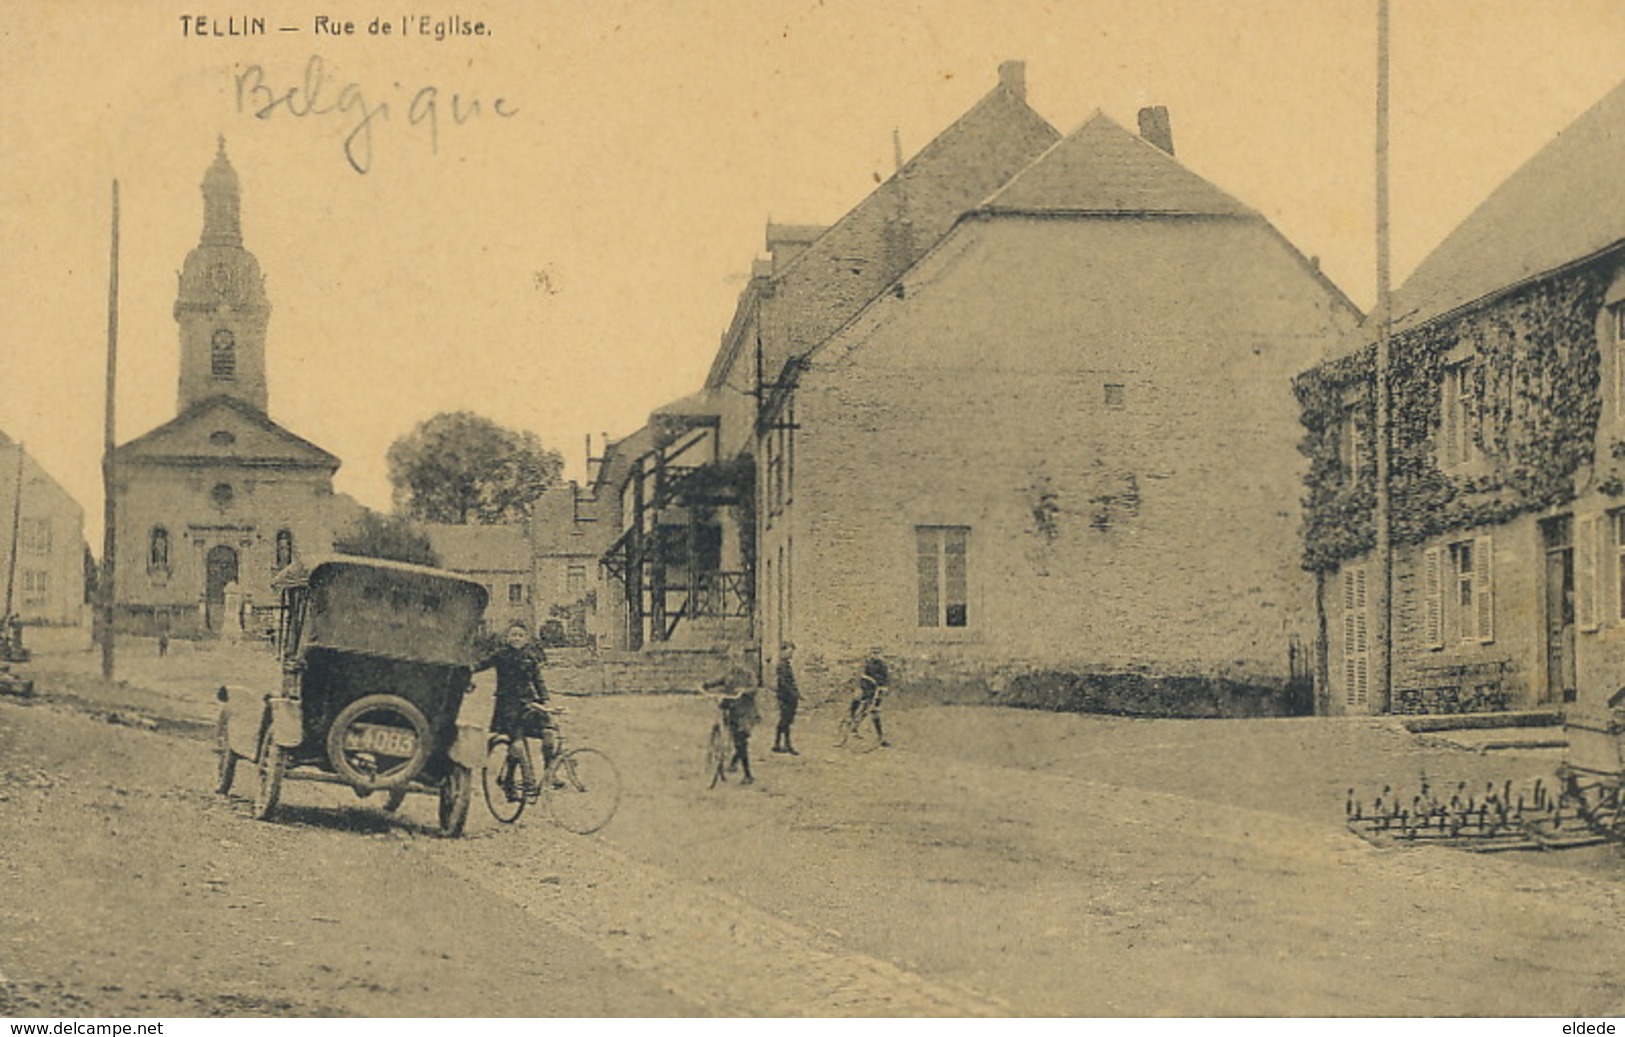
[
  {"x": 1115, "y": 395},
  {"x": 222, "y": 494},
  {"x": 223, "y": 354},
  {"x": 575, "y": 581},
  {"x": 941, "y": 557},
  {"x": 36, "y": 586},
  {"x": 781, "y": 455},
  {"x": 1616, "y": 324},
  {"x": 1461, "y": 566},
  {"x": 1350, "y": 445},
  {"x": 222, "y": 438},
  {"x": 36, "y": 536},
  {"x": 1616, "y": 519},
  {"x": 158, "y": 550},
  {"x": 284, "y": 548},
  {"x": 1458, "y": 417},
  {"x": 516, "y": 594},
  {"x": 1457, "y": 583}
]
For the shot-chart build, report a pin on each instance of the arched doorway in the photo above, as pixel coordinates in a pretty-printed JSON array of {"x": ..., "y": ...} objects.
[{"x": 220, "y": 567}]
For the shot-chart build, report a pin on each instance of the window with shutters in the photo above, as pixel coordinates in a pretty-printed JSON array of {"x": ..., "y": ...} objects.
[
  {"x": 941, "y": 554},
  {"x": 1356, "y": 639},
  {"x": 1468, "y": 605},
  {"x": 1458, "y": 417}
]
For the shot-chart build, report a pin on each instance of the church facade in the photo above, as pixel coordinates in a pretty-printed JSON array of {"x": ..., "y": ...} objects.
[{"x": 212, "y": 503}]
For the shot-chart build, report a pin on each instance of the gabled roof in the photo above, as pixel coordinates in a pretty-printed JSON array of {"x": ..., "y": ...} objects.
[
  {"x": 851, "y": 262},
  {"x": 1565, "y": 204},
  {"x": 257, "y": 440},
  {"x": 1102, "y": 168}
]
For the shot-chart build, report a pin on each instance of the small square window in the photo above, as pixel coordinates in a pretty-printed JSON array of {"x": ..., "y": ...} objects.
[{"x": 1115, "y": 395}]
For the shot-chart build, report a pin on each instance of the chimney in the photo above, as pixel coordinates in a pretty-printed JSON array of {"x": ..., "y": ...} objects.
[
  {"x": 1013, "y": 77},
  {"x": 1156, "y": 129}
]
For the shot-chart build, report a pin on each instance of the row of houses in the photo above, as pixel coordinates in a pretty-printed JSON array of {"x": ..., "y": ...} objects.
[{"x": 1051, "y": 419}]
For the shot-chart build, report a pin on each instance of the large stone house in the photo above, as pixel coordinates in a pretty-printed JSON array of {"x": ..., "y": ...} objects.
[
  {"x": 1507, "y": 392},
  {"x": 212, "y": 503},
  {"x": 1024, "y": 422}
]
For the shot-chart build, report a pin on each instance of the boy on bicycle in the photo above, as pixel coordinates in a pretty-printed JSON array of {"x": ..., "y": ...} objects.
[
  {"x": 519, "y": 688},
  {"x": 873, "y": 682}
]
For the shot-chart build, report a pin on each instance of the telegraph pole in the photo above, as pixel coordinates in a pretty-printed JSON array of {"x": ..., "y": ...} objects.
[
  {"x": 1385, "y": 550},
  {"x": 16, "y": 533},
  {"x": 109, "y": 512}
]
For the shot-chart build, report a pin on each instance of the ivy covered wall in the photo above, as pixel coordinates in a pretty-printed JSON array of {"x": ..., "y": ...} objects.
[{"x": 1534, "y": 397}]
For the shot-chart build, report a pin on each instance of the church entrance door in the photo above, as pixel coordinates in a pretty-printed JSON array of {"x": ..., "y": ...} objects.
[{"x": 220, "y": 565}]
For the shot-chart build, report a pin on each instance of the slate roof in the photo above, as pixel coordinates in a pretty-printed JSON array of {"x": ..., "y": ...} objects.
[
  {"x": 1102, "y": 168},
  {"x": 1565, "y": 204},
  {"x": 846, "y": 266},
  {"x": 178, "y": 439}
]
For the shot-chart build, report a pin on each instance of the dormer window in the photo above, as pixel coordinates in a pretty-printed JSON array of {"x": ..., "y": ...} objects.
[{"x": 223, "y": 354}]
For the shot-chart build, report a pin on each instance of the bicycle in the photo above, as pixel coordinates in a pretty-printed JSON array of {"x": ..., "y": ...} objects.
[
  {"x": 855, "y": 729},
  {"x": 580, "y": 789}
]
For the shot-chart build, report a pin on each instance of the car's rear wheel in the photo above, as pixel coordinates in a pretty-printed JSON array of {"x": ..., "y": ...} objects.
[{"x": 379, "y": 742}]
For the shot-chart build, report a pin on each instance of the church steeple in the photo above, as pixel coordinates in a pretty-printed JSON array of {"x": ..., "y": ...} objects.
[
  {"x": 221, "y": 201},
  {"x": 221, "y": 305}
]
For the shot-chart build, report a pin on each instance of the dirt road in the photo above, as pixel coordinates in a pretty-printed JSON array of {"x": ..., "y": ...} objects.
[{"x": 992, "y": 862}]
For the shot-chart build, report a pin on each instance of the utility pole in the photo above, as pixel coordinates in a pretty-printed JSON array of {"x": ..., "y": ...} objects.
[
  {"x": 16, "y": 534},
  {"x": 109, "y": 511},
  {"x": 1385, "y": 550}
]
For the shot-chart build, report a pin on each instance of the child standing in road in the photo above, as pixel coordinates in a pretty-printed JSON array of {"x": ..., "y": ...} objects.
[{"x": 789, "y": 699}]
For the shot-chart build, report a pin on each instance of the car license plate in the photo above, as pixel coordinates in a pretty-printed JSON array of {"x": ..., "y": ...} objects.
[{"x": 386, "y": 741}]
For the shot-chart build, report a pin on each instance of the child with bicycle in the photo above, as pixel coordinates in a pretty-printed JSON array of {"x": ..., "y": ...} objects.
[
  {"x": 521, "y": 698},
  {"x": 873, "y": 682},
  {"x": 739, "y": 716}
]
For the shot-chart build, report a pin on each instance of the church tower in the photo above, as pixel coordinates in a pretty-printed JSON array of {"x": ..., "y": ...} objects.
[{"x": 221, "y": 305}]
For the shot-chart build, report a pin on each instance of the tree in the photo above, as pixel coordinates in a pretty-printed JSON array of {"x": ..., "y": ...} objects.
[
  {"x": 461, "y": 468},
  {"x": 386, "y": 536}
]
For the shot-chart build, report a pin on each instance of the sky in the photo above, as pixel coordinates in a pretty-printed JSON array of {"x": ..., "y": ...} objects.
[{"x": 550, "y": 223}]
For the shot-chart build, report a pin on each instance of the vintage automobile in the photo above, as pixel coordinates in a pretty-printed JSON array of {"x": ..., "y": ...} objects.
[{"x": 376, "y": 660}]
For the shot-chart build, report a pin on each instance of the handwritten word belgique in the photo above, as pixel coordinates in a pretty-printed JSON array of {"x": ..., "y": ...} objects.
[{"x": 319, "y": 95}]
